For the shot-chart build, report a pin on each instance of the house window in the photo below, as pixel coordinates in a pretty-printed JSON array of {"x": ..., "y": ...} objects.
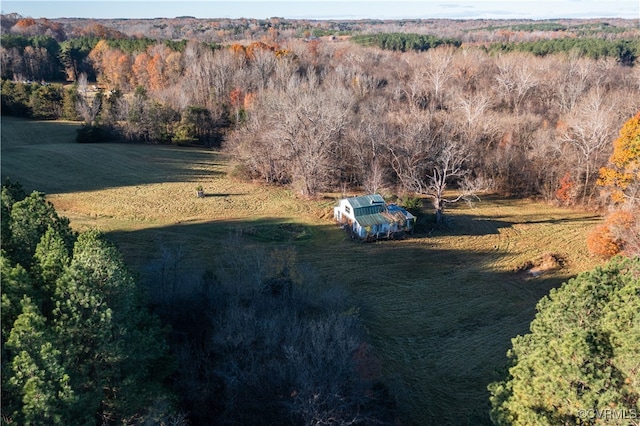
[{"x": 347, "y": 209}]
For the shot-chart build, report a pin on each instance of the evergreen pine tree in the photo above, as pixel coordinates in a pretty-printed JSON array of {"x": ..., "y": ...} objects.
[
  {"x": 39, "y": 389},
  {"x": 581, "y": 356}
]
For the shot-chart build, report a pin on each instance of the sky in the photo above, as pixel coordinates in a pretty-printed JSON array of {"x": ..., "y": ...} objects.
[{"x": 328, "y": 9}]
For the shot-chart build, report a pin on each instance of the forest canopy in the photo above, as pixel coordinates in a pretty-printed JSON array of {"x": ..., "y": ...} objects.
[{"x": 403, "y": 41}]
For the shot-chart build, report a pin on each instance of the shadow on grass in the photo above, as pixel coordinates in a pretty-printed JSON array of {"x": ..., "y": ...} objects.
[
  {"x": 471, "y": 225},
  {"x": 210, "y": 195},
  {"x": 441, "y": 321},
  {"x": 34, "y": 151},
  {"x": 590, "y": 219}
]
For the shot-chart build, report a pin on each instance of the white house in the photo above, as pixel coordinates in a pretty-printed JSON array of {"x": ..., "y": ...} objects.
[{"x": 369, "y": 217}]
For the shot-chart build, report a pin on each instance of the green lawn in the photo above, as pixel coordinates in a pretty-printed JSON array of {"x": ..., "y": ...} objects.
[{"x": 440, "y": 310}]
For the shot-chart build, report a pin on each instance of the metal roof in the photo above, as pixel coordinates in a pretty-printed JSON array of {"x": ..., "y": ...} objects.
[
  {"x": 373, "y": 219},
  {"x": 365, "y": 200},
  {"x": 397, "y": 216},
  {"x": 394, "y": 208}
]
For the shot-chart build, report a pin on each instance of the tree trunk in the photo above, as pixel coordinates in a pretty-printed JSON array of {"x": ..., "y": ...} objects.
[{"x": 439, "y": 208}]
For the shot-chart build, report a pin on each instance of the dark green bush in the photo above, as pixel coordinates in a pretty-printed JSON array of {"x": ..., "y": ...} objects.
[{"x": 91, "y": 134}]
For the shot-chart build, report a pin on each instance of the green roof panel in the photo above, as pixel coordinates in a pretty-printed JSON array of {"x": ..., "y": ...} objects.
[
  {"x": 373, "y": 219},
  {"x": 365, "y": 200}
]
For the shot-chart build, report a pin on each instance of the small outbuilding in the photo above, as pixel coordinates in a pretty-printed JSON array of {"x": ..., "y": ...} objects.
[{"x": 369, "y": 217}]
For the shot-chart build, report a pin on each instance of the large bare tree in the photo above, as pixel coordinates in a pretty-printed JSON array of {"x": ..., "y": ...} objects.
[
  {"x": 515, "y": 79},
  {"x": 448, "y": 164},
  {"x": 295, "y": 133},
  {"x": 88, "y": 105},
  {"x": 427, "y": 157},
  {"x": 589, "y": 129}
]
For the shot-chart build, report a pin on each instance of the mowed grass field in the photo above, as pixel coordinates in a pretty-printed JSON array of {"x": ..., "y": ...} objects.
[{"x": 440, "y": 310}]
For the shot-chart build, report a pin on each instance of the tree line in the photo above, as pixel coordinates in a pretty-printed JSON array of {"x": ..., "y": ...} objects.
[
  {"x": 228, "y": 30},
  {"x": 43, "y": 58},
  {"x": 624, "y": 51},
  {"x": 403, "y": 41}
]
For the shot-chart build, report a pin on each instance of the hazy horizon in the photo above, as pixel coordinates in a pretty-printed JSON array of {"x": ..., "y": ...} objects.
[{"x": 320, "y": 10}]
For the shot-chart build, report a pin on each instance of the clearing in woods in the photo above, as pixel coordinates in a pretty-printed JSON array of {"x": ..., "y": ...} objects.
[{"x": 440, "y": 310}]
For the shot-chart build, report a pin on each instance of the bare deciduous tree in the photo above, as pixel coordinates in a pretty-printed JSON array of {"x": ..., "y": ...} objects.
[
  {"x": 88, "y": 106},
  {"x": 589, "y": 130},
  {"x": 447, "y": 165},
  {"x": 300, "y": 129},
  {"x": 438, "y": 72},
  {"x": 427, "y": 160},
  {"x": 410, "y": 148},
  {"x": 574, "y": 82},
  {"x": 431, "y": 73},
  {"x": 364, "y": 148},
  {"x": 515, "y": 79},
  {"x": 262, "y": 66}
]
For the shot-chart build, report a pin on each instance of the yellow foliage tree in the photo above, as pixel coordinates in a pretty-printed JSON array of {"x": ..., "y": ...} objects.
[
  {"x": 621, "y": 179},
  {"x": 620, "y": 182},
  {"x": 140, "y": 64}
]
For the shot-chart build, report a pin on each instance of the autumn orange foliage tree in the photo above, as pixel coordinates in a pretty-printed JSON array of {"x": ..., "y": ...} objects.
[
  {"x": 565, "y": 193},
  {"x": 139, "y": 68},
  {"x": 621, "y": 179},
  {"x": 601, "y": 242},
  {"x": 26, "y": 22},
  {"x": 620, "y": 182},
  {"x": 624, "y": 226}
]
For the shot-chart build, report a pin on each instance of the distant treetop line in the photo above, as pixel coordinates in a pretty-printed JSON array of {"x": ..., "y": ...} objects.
[
  {"x": 68, "y": 40},
  {"x": 225, "y": 30}
]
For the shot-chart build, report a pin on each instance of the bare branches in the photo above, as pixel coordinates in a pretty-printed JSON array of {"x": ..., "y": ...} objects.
[
  {"x": 427, "y": 156},
  {"x": 589, "y": 132},
  {"x": 515, "y": 80},
  {"x": 88, "y": 105},
  {"x": 300, "y": 129}
]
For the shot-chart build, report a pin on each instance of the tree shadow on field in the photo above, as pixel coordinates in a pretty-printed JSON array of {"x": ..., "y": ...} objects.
[
  {"x": 44, "y": 156},
  {"x": 536, "y": 219},
  {"x": 221, "y": 195},
  {"x": 440, "y": 320},
  {"x": 463, "y": 224}
]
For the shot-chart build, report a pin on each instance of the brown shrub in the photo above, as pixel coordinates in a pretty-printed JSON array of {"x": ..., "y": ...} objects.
[{"x": 602, "y": 242}]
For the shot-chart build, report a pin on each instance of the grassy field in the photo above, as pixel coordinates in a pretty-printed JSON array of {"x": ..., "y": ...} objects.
[{"x": 440, "y": 310}]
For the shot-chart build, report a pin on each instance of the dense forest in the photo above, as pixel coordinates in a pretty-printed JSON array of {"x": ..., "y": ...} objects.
[{"x": 434, "y": 109}]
